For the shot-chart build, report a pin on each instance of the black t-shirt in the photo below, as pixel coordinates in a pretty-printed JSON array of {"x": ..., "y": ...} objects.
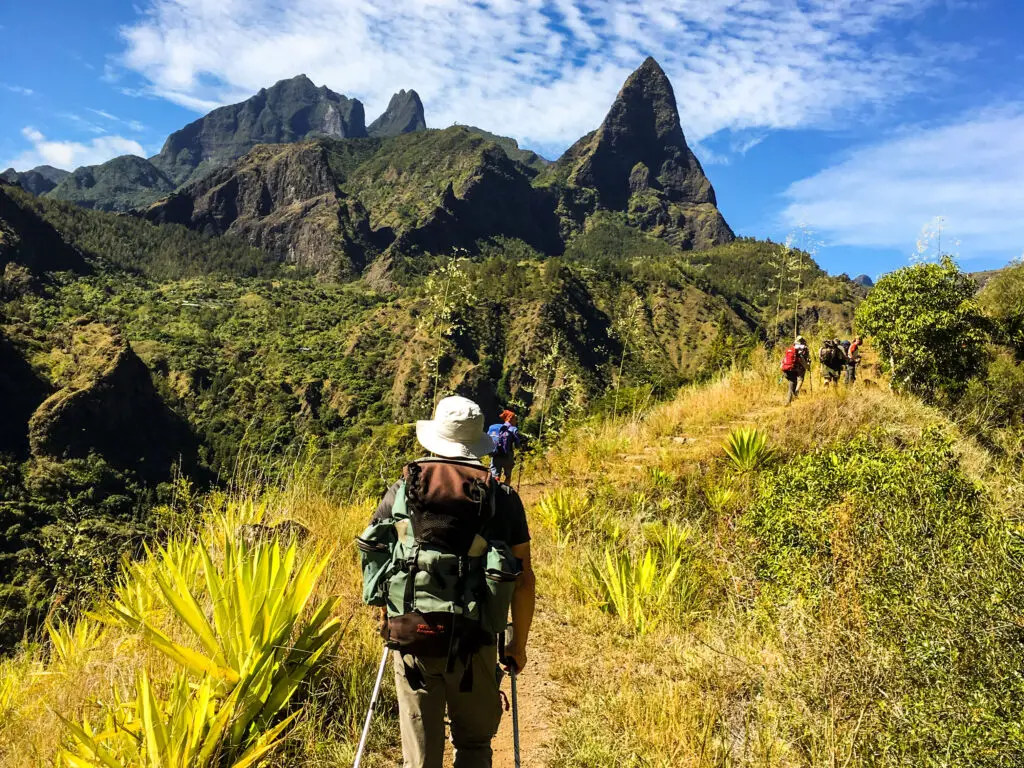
[{"x": 509, "y": 523}]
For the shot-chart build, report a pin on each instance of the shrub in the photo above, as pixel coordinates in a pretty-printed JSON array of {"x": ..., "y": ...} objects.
[
  {"x": 891, "y": 541},
  {"x": 928, "y": 328}
]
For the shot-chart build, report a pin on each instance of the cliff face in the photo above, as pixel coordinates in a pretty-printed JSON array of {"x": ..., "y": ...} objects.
[
  {"x": 109, "y": 406},
  {"x": 290, "y": 111},
  {"x": 638, "y": 161},
  {"x": 283, "y": 199}
]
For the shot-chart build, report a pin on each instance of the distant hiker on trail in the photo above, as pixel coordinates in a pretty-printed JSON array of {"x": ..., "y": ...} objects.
[
  {"x": 833, "y": 360},
  {"x": 446, "y": 556},
  {"x": 793, "y": 368},
  {"x": 506, "y": 439},
  {"x": 804, "y": 353},
  {"x": 853, "y": 360}
]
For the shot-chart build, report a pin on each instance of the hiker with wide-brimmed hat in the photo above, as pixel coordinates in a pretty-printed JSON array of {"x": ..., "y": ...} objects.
[{"x": 446, "y": 556}]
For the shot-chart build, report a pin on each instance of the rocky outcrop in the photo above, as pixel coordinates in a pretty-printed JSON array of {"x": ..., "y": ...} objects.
[
  {"x": 38, "y": 180},
  {"x": 638, "y": 162},
  {"x": 28, "y": 240},
  {"x": 120, "y": 184},
  {"x": 284, "y": 200},
  {"x": 290, "y": 111},
  {"x": 403, "y": 115},
  {"x": 110, "y": 407},
  {"x": 863, "y": 281}
]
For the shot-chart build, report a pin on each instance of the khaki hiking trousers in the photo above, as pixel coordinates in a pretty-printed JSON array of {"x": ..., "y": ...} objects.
[{"x": 474, "y": 715}]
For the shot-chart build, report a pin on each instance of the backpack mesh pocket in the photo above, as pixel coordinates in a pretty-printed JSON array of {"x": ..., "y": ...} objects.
[
  {"x": 501, "y": 571},
  {"x": 375, "y": 547}
]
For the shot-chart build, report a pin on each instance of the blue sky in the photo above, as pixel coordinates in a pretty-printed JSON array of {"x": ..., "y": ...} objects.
[{"x": 862, "y": 120}]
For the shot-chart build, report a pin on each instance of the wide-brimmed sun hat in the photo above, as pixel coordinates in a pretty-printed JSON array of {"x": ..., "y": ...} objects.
[{"x": 456, "y": 431}]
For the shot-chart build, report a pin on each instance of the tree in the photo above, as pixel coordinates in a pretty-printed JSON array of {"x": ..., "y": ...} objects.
[
  {"x": 926, "y": 323},
  {"x": 1003, "y": 301}
]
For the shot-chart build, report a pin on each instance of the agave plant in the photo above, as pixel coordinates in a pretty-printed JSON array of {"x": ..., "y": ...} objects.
[
  {"x": 635, "y": 588},
  {"x": 747, "y": 448},
  {"x": 563, "y": 512},
  {"x": 184, "y": 730},
  {"x": 250, "y": 650},
  {"x": 71, "y": 642},
  {"x": 720, "y": 498}
]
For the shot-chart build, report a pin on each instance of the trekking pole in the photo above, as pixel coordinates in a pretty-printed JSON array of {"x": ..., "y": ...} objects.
[
  {"x": 369, "y": 714},
  {"x": 512, "y": 673}
]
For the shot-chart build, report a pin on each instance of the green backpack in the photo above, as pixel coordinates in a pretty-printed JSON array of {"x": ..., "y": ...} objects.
[{"x": 447, "y": 588}]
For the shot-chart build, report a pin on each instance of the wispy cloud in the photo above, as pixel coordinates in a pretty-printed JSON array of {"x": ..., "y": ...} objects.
[
  {"x": 194, "y": 103},
  {"x": 71, "y": 154},
  {"x": 19, "y": 89},
  {"x": 969, "y": 172},
  {"x": 104, "y": 114},
  {"x": 133, "y": 125},
  {"x": 543, "y": 71}
]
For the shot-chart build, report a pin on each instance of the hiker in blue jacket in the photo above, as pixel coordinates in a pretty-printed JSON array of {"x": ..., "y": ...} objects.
[{"x": 506, "y": 439}]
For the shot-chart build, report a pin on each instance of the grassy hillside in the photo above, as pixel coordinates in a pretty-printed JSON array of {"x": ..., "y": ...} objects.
[{"x": 852, "y": 600}]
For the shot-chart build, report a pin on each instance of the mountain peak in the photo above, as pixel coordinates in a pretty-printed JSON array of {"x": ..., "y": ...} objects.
[
  {"x": 38, "y": 180},
  {"x": 642, "y": 127},
  {"x": 403, "y": 115},
  {"x": 290, "y": 110},
  {"x": 638, "y": 161}
]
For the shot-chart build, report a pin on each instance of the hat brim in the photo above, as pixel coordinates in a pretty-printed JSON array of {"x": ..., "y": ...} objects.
[{"x": 426, "y": 434}]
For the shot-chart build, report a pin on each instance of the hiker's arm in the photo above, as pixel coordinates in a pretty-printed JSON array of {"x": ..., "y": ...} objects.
[{"x": 524, "y": 600}]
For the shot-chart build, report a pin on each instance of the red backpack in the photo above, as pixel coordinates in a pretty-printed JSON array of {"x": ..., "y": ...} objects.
[{"x": 790, "y": 360}]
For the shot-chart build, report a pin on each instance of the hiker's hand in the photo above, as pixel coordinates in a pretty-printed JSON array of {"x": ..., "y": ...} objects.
[{"x": 514, "y": 657}]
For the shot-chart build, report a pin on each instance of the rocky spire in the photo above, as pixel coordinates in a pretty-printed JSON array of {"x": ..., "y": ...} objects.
[
  {"x": 638, "y": 162},
  {"x": 403, "y": 115}
]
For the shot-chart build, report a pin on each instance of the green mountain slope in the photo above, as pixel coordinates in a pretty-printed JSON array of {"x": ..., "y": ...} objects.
[
  {"x": 117, "y": 185},
  {"x": 38, "y": 180}
]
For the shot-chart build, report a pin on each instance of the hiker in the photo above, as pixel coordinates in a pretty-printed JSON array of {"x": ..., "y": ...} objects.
[
  {"x": 506, "y": 438},
  {"x": 853, "y": 359},
  {"x": 804, "y": 353},
  {"x": 832, "y": 359},
  {"x": 793, "y": 369},
  {"x": 448, "y": 518}
]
